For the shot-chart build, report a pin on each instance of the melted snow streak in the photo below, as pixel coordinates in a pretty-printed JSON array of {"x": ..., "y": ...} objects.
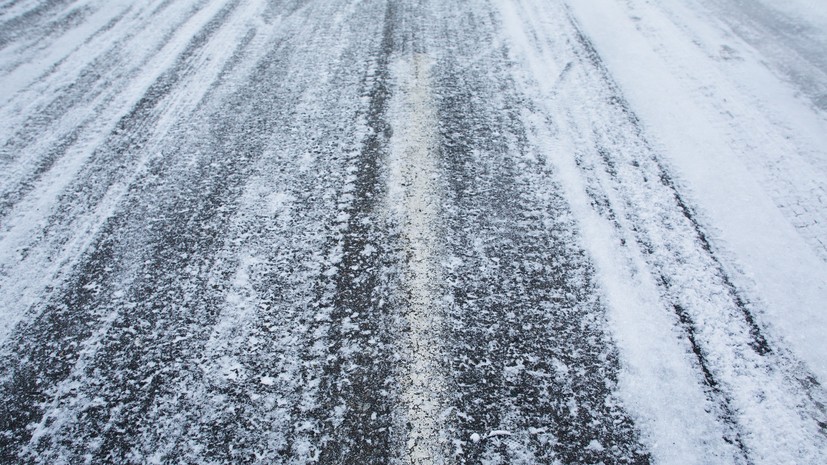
[{"x": 361, "y": 232}]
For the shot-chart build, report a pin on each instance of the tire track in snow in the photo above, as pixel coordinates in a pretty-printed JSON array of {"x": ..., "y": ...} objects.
[
  {"x": 533, "y": 368},
  {"x": 29, "y": 22},
  {"x": 258, "y": 382},
  {"x": 123, "y": 328},
  {"x": 735, "y": 362},
  {"x": 43, "y": 240},
  {"x": 77, "y": 15},
  {"x": 63, "y": 107},
  {"x": 732, "y": 430},
  {"x": 727, "y": 384},
  {"x": 340, "y": 241},
  {"x": 66, "y": 327},
  {"x": 51, "y": 131},
  {"x": 358, "y": 317},
  {"x": 759, "y": 342}
]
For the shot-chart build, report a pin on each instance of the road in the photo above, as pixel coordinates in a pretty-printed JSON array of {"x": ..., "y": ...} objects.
[{"x": 378, "y": 231}]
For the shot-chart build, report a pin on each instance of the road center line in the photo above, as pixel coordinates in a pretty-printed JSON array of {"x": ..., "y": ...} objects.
[{"x": 413, "y": 201}]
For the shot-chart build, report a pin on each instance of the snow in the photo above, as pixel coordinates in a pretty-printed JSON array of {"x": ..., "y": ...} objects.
[
  {"x": 786, "y": 277},
  {"x": 41, "y": 263},
  {"x": 413, "y": 232},
  {"x": 595, "y": 445},
  {"x": 657, "y": 371},
  {"x": 656, "y": 382}
]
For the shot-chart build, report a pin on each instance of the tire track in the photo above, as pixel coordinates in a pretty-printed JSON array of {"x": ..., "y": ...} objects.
[
  {"x": 736, "y": 362},
  {"x": 30, "y": 22},
  {"x": 335, "y": 232},
  {"x": 143, "y": 353},
  {"x": 759, "y": 342},
  {"x": 533, "y": 367},
  {"x": 357, "y": 386},
  {"x": 732, "y": 432},
  {"x": 103, "y": 173},
  {"x": 60, "y": 324},
  {"x": 720, "y": 383},
  {"x": 52, "y": 132}
]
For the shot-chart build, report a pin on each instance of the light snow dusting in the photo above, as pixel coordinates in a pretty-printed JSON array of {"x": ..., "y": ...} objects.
[{"x": 388, "y": 232}]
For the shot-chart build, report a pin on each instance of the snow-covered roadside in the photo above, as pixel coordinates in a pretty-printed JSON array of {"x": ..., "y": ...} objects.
[
  {"x": 660, "y": 390},
  {"x": 719, "y": 164},
  {"x": 676, "y": 310},
  {"x": 789, "y": 36},
  {"x": 765, "y": 77}
]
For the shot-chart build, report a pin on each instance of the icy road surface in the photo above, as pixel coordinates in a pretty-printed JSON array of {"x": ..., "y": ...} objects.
[{"x": 419, "y": 232}]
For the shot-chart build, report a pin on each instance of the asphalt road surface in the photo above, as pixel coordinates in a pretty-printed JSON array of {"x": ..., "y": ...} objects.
[{"x": 420, "y": 232}]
